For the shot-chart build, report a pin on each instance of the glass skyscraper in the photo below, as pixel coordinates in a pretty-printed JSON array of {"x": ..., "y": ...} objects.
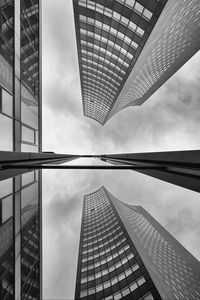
[
  {"x": 127, "y": 49},
  {"x": 20, "y": 131},
  {"x": 125, "y": 253}
]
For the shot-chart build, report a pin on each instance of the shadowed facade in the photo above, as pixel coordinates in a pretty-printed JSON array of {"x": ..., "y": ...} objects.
[
  {"x": 125, "y": 253},
  {"x": 127, "y": 49}
]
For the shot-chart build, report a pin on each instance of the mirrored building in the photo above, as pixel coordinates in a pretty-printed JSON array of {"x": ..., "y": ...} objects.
[
  {"x": 20, "y": 131},
  {"x": 125, "y": 253},
  {"x": 127, "y": 49}
]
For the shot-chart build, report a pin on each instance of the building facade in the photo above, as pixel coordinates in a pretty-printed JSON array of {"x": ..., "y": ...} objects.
[
  {"x": 127, "y": 49},
  {"x": 20, "y": 131},
  {"x": 125, "y": 253},
  {"x": 181, "y": 168}
]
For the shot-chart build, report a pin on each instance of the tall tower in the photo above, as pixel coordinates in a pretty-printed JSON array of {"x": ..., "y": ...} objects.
[
  {"x": 125, "y": 253},
  {"x": 127, "y": 49},
  {"x": 20, "y": 131}
]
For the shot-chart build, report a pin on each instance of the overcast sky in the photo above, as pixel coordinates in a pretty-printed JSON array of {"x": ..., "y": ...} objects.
[{"x": 169, "y": 120}]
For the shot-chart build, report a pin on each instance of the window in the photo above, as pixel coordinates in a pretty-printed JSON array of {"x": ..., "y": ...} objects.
[
  {"x": 132, "y": 25},
  {"x": 130, "y": 3},
  {"x": 135, "y": 267},
  {"x": 6, "y": 187},
  {"x": 28, "y": 135},
  {"x": 134, "y": 44},
  {"x": 83, "y": 280},
  {"x": 83, "y": 294},
  {"x": 7, "y": 208},
  {"x": 106, "y": 284},
  {"x": 117, "y": 296},
  {"x": 141, "y": 280},
  {"x": 147, "y": 14},
  {"x": 138, "y": 8},
  {"x": 140, "y": 31},
  {"x": 91, "y": 291},
  {"x": 114, "y": 280},
  {"x": 125, "y": 291},
  {"x": 124, "y": 20},
  {"x": 7, "y": 103},
  {"x": 133, "y": 286},
  {"x": 99, "y": 288},
  {"x": 148, "y": 296},
  {"x": 6, "y": 135},
  {"x": 121, "y": 276},
  {"x": 116, "y": 16}
]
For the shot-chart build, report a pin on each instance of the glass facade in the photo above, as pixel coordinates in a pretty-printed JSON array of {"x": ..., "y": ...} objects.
[
  {"x": 173, "y": 41},
  {"x": 125, "y": 253},
  {"x": 110, "y": 38},
  {"x": 179, "y": 271},
  {"x": 109, "y": 266},
  {"x": 127, "y": 49},
  {"x": 20, "y": 130}
]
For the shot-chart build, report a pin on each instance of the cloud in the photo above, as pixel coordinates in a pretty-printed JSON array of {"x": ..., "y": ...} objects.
[{"x": 169, "y": 120}]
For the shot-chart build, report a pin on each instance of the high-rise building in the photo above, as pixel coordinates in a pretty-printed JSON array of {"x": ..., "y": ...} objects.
[
  {"x": 125, "y": 253},
  {"x": 127, "y": 49},
  {"x": 20, "y": 131}
]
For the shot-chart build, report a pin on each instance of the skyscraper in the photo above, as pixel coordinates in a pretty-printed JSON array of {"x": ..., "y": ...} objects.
[
  {"x": 127, "y": 49},
  {"x": 125, "y": 253},
  {"x": 20, "y": 131}
]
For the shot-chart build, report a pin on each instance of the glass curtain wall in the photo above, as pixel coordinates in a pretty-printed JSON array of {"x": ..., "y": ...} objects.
[{"x": 20, "y": 196}]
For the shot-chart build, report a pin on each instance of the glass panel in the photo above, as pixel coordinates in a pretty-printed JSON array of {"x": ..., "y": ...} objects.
[
  {"x": 29, "y": 115},
  {"x": 28, "y": 178},
  {"x": 28, "y": 135},
  {"x": 130, "y": 2},
  {"x": 140, "y": 280},
  {"x": 6, "y": 187},
  {"x": 6, "y": 133},
  {"x": 148, "y": 296},
  {"x": 7, "y": 103},
  {"x": 7, "y": 208},
  {"x": 138, "y": 8},
  {"x": 29, "y": 148},
  {"x": 147, "y": 14},
  {"x": 29, "y": 195}
]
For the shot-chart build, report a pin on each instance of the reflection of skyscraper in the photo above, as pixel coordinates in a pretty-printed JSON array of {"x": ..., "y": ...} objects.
[
  {"x": 20, "y": 131},
  {"x": 127, "y": 49},
  {"x": 125, "y": 253}
]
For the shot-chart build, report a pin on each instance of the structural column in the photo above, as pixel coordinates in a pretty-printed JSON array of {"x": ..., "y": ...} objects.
[{"x": 17, "y": 147}]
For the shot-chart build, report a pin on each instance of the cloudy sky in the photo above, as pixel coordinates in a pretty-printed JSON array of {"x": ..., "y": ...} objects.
[{"x": 169, "y": 120}]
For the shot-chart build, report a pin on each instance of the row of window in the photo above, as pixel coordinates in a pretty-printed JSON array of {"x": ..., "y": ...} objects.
[
  {"x": 101, "y": 83},
  {"x": 115, "y": 279},
  {"x": 135, "y": 6},
  {"x": 100, "y": 68},
  {"x": 94, "y": 77},
  {"x": 106, "y": 251},
  {"x": 130, "y": 288},
  {"x": 102, "y": 246},
  {"x": 100, "y": 76},
  {"x": 113, "y": 33},
  {"x": 102, "y": 232},
  {"x": 96, "y": 229},
  {"x": 109, "y": 215},
  {"x": 104, "y": 242},
  {"x": 110, "y": 258},
  {"x": 102, "y": 238}
]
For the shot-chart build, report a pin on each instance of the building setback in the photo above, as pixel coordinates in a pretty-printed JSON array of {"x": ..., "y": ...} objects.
[
  {"x": 20, "y": 131},
  {"x": 125, "y": 253},
  {"x": 127, "y": 49}
]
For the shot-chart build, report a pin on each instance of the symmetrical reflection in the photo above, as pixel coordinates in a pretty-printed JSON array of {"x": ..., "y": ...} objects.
[
  {"x": 28, "y": 216},
  {"x": 126, "y": 254},
  {"x": 6, "y": 240}
]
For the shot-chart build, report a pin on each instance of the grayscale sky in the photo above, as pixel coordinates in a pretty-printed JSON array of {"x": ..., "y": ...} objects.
[{"x": 169, "y": 120}]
